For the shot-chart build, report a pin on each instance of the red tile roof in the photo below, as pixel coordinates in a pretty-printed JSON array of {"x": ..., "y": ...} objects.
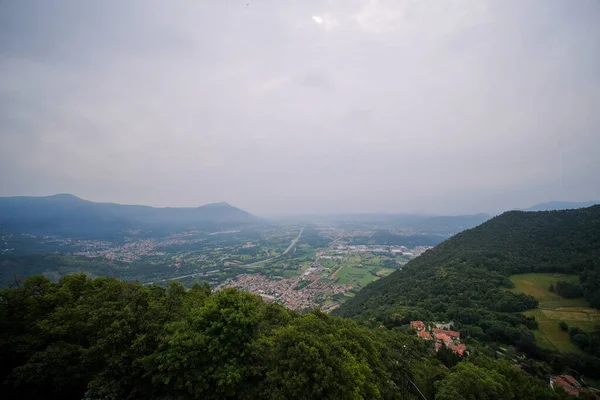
[
  {"x": 571, "y": 380},
  {"x": 569, "y": 384},
  {"x": 424, "y": 335},
  {"x": 443, "y": 337},
  {"x": 417, "y": 324},
  {"x": 460, "y": 349},
  {"x": 452, "y": 334}
]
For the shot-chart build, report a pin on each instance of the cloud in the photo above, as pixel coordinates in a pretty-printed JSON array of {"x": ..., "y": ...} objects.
[
  {"x": 273, "y": 83},
  {"x": 420, "y": 17},
  {"x": 326, "y": 22},
  {"x": 445, "y": 107}
]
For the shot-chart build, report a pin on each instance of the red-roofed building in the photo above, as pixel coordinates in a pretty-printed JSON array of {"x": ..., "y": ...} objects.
[
  {"x": 563, "y": 382},
  {"x": 424, "y": 335},
  {"x": 452, "y": 334},
  {"x": 459, "y": 349},
  {"x": 571, "y": 380},
  {"x": 443, "y": 337},
  {"x": 571, "y": 386},
  {"x": 418, "y": 325}
]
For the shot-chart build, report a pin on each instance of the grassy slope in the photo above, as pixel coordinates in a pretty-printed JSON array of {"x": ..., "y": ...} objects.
[{"x": 553, "y": 309}]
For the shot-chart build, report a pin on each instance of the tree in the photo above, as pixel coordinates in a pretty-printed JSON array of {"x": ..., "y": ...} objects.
[
  {"x": 447, "y": 356},
  {"x": 581, "y": 340},
  {"x": 563, "y": 326},
  {"x": 527, "y": 344},
  {"x": 468, "y": 381}
]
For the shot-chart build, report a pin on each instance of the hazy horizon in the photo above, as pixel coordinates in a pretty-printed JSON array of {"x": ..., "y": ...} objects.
[
  {"x": 313, "y": 107},
  {"x": 284, "y": 215}
]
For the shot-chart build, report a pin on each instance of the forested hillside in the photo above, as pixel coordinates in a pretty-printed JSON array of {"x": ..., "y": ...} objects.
[
  {"x": 108, "y": 339},
  {"x": 464, "y": 279},
  {"x": 468, "y": 270}
]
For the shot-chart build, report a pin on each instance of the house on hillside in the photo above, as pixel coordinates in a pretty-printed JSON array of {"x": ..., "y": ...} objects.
[
  {"x": 448, "y": 338},
  {"x": 423, "y": 334},
  {"x": 442, "y": 337},
  {"x": 453, "y": 335},
  {"x": 418, "y": 325},
  {"x": 572, "y": 386}
]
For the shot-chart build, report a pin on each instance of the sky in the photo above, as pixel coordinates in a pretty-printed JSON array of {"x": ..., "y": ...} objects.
[{"x": 303, "y": 106}]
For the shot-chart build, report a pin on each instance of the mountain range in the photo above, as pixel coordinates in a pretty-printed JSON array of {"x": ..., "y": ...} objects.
[
  {"x": 561, "y": 205},
  {"x": 65, "y": 214}
]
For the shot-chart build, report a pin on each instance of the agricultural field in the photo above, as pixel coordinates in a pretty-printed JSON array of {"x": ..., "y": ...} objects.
[
  {"x": 384, "y": 272},
  {"x": 553, "y": 309},
  {"x": 358, "y": 269},
  {"x": 355, "y": 276}
]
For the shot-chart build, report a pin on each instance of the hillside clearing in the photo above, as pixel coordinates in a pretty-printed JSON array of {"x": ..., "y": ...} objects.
[{"x": 553, "y": 309}]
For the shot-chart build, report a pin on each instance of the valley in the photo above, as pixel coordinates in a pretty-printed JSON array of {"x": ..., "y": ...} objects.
[
  {"x": 442, "y": 302},
  {"x": 257, "y": 259}
]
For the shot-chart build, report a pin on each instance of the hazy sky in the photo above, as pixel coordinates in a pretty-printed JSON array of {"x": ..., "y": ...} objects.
[{"x": 302, "y": 106}]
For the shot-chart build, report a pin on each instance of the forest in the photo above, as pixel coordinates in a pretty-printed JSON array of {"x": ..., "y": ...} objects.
[
  {"x": 465, "y": 279},
  {"x": 109, "y": 339}
]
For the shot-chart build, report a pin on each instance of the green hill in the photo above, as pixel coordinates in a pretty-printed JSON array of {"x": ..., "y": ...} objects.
[{"x": 465, "y": 278}]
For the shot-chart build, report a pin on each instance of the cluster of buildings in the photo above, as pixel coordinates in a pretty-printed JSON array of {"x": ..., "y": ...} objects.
[
  {"x": 130, "y": 251},
  {"x": 313, "y": 269},
  {"x": 451, "y": 339},
  {"x": 296, "y": 293},
  {"x": 342, "y": 248},
  {"x": 572, "y": 386},
  {"x": 446, "y": 337}
]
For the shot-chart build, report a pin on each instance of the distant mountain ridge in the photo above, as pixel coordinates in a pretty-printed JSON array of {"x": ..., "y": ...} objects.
[
  {"x": 66, "y": 214},
  {"x": 561, "y": 205}
]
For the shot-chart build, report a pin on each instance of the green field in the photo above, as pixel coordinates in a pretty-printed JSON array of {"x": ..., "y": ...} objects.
[
  {"x": 355, "y": 276},
  {"x": 384, "y": 272},
  {"x": 357, "y": 269},
  {"x": 290, "y": 273},
  {"x": 537, "y": 286},
  {"x": 553, "y": 309}
]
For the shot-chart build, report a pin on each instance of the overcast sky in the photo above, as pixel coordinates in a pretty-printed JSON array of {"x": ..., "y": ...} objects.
[{"x": 302, "y": 106}]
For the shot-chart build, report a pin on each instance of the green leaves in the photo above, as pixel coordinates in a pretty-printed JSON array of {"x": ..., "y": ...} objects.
[
  {"x": 469, "y": 382},
  {"x": 103, "y": 338}
]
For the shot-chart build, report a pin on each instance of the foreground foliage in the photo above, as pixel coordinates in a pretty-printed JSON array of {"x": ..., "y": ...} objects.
[{"x": 108, "y": 339}]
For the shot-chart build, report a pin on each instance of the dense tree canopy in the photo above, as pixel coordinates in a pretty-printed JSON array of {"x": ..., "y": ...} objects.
[
  {"x": 104, "y": 338},
  {"x": 108, "y": 339}
]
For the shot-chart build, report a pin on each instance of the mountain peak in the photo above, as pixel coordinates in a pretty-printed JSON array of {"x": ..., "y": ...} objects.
[
  {"x": 221, "y": 204},
  {"x": 64, "y": 197}
]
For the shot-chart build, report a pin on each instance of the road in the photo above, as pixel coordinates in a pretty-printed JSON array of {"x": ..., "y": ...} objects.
[{"x": 292, "y": 244}]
